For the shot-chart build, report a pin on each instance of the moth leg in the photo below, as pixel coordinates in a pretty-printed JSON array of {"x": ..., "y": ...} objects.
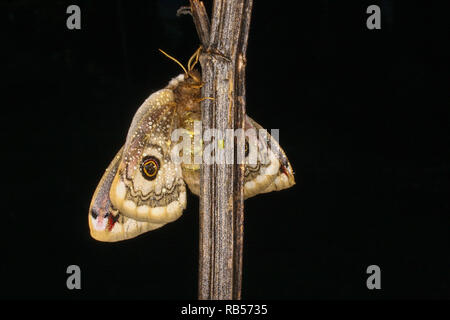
[{"x": 204, "y": 98}]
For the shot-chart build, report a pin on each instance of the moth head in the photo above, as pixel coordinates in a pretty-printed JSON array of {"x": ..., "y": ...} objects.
[
  {"x": 191, "y": 76},
  {"x": 194, "y": 78}
]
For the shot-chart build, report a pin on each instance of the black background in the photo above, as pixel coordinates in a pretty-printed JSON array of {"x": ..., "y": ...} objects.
[{"x": 363, "y": 117}]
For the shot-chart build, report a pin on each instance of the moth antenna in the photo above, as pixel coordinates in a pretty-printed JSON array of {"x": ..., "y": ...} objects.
[
  {"x": 194, "y": 56},
  {"x": 172, "y": 58}
]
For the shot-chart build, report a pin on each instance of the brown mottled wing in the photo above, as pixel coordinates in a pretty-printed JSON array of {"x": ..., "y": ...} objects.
[
  {"x": 142, "y": 201},
  {"x": 269, "y": 170},
  {"x": 105, "y": 222},
  {"x": 274, "y": 174},
  {"x": 272, "y": 170}
]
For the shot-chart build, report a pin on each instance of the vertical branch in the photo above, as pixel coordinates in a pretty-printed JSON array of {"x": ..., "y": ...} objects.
[
  {"x": 238, "y": 182},
  {"x": 221, "y": 192}
]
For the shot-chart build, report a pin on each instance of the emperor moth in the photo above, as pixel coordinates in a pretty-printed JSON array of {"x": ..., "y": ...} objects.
[{"x": 143, "y": 189}]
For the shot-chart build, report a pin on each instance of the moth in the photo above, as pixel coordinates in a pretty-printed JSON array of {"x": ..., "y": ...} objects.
[{"x": 143, "y": 189}]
